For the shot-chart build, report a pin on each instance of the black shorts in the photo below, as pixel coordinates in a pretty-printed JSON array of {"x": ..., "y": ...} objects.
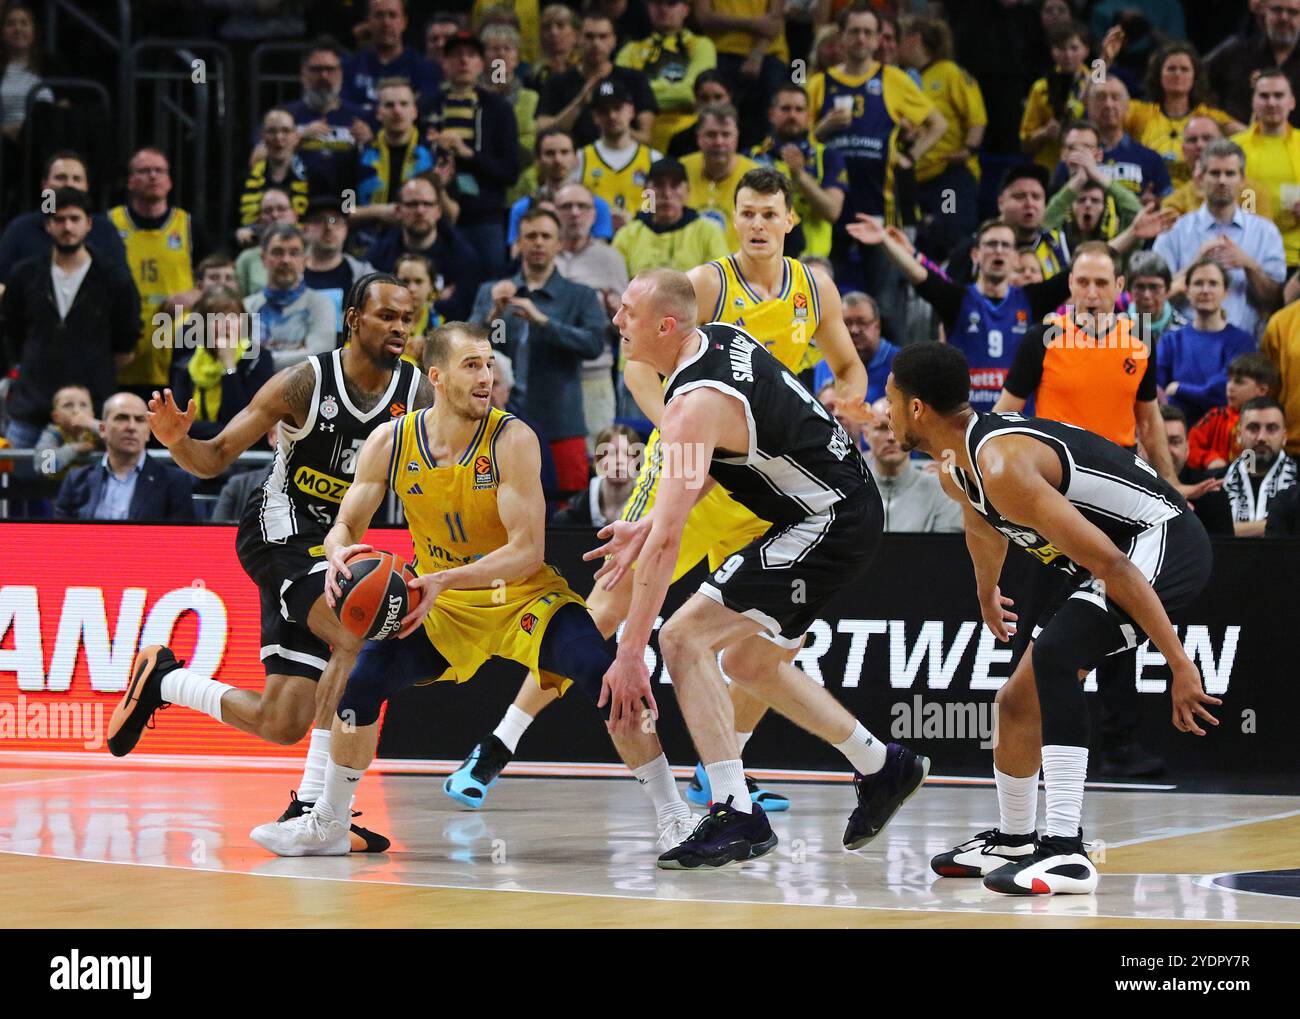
[
  {"x": 290, "y": 577},
  {"x": 1175, "y": 557},
  {"x": 786, "y": 577}
]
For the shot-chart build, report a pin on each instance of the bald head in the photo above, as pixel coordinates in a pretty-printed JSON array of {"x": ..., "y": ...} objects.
[
  {"x": 671, "y": 293},
  {"x": 1108, "y": 103},
  {"x": 125, "y": 426}
]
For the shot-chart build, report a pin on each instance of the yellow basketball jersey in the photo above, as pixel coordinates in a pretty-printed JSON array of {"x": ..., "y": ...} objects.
[
  {"x": 623, "y": 188},
  {"x": 161, "y": 262},
  {"x": 451, "y": 510},
  {"x": 784, "y": 324}
]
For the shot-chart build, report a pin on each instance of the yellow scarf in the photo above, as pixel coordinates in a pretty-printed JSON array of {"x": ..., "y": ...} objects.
[
  {"x": 206, "y": 371},
  {"x": 382, "y": 163}
]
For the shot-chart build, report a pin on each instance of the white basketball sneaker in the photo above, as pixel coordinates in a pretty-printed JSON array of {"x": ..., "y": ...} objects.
[
  {"x": 1058, "y": 866},
  {"x": 675, "y": 830},
  {"x": 318, "y": 832},
  {"x": 983, "y": 854}
]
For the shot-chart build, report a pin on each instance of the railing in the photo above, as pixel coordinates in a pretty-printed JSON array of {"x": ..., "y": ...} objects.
[
  {"x": 100, "y": 175},
  {"x": 118, "y": 42},
  {"x": 269, "y": 88},
  {"x": 190, "y": 97}
]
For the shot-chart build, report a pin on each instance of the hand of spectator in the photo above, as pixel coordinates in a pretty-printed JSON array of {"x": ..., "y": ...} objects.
[
  {"x": 444, "y": 169},
  {"x": 1193, "y": 492},
  {"x": 338, "y": 566},
  {"x": 525, "y": 308},
  {"x": 618, "y": 218},
  {"x": 84, "y": 421},
  {"x": 168, "y": 424},
  {"x": 900, "y": 238},
  {"x": 228, "y": 354},
  {"x": 866, "y": 229},
  {"x": 451, "y": 142},
  {"x": 184, "y": 299},
  {"x": 767, "y": 27},
  {"x": 315, "y": 129},
  {"x": 1217, "y": 464},
  {"x": 258, "y": 153},
  {"x": 1229, "y": 255},
  {"x": 835, "y": 121},
  {"x": 120, "y": 361},
  {"x": 1152, "y": 221},
  {"x": 501, "y": 292},
  {"x": 1049, "y": 132},
  {"x": 752, "y": 66},
  {"x": 1111, "y": 44},
  {"x": 792, "y": 156},
  {"x": 1171, "y": 389},
  {"x": 361, "y": 132},
  {"x": 245, "y": 237}
]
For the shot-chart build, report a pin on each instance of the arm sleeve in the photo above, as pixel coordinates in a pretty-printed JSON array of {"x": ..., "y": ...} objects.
[
  {"x": 1165, "y": 363},
  {"x": 1027, "y": 369},
  {"x": 126, "y": 313},
  {"x": 943, "y": 296},
  {"x": 13, "y": 318},
  {"x": 1127, "y": 204},
  {"x": 1147, "y": 387},
  {"x": 498, "y": 160},
  {"x": 903, "y": 99},
  {"x": 1047, "y": 296},
  {"x": 643, "y": 97},
  {"x": 1058, "y": 209},
  {"x": 1160, "y": 178},
  {"x": 585, "y": 336}
]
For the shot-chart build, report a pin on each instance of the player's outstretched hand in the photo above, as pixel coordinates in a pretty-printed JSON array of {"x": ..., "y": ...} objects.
[
  {"x": 339, "y": 565},
  {"x": 626, "y": 689},
  {"x": 625, "y": 539},
  {"x": 1190, "y": 699},
  {"x": 430, "y": 586},
  {"x": 166, "y": 421},
  {"x": 997, "y": 618}
]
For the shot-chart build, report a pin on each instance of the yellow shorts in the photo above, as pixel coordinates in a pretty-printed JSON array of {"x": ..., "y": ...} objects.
[
  {"x": 716, "y": 527},
  {"x": 469, "y": 627}
]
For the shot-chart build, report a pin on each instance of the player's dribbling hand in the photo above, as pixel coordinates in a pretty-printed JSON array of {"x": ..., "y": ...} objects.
[
  {"x": 339, "y": 565},
  {"x": 626, "y": 689},
  {"x": 620, "y": 551},
  {"x": 1189, "y": 698},
  {"x": 166, "y": 421},
  {"x": 997, "y": 618},
  {"x": 430, "y": 586}
]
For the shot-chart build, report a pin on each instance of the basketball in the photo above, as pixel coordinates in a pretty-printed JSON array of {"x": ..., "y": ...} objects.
[{"x": 376, "y": 599}]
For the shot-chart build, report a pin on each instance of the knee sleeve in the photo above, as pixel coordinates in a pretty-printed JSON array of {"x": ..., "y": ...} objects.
[
  {"x": 574, "y": 648},
  {"x": 1077, "y": 637},
  {"x": 386, "y": 667}
]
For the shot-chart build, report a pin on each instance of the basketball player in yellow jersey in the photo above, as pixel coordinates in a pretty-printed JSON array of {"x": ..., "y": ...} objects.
[
  {"x": 794, "y": 309},
  {"x": 159, "y": 249},
  {"x": 469, "y": 477}
]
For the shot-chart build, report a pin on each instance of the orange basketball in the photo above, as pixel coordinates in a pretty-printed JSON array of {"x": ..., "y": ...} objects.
[{"x": 376, "y": 599}]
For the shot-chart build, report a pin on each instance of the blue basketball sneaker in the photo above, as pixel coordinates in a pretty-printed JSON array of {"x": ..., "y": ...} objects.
[
  {"x": 723, "y": 836},
  {"x": 698, "y": 792},
  {"x": 882, "y": 794},
  {"x": 469, "y": 784}
]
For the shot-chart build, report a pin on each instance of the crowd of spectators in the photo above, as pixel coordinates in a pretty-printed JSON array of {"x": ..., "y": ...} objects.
[{"x": 1106, "y": 182}]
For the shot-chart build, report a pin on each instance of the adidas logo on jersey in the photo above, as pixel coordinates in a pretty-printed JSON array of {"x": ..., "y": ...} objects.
[{"x": 415, "y": 490}]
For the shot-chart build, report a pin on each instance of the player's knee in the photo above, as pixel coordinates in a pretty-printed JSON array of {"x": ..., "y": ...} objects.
[
  {"x": 364, "y": 696},
  {"x": 1015, "y": 700},
  {"x": 587, "y": 660},
  {"x": 675, "y": 640},
  {"x": 743, "y": 665},
  {"x": 284, "y": 732}
]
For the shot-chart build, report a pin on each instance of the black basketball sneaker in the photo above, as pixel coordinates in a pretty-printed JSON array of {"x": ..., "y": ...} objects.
[
  {"x": 983, "y": 854},
  {"x": 363, "y": 839},
  {"x": 1058, "y": 866},
  {"x": 881, "y": 795},
  {"x": 142, "y": 698},
  {"x": 723, "y": 836},
  {"x": 469, "y": 784}
]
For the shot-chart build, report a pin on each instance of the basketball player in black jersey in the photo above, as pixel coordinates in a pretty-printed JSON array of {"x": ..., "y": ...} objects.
[
  {"x": 1076, "y": 502},
  {"x": 326, "y": 407},
  {"x": 732, "y": 408}
]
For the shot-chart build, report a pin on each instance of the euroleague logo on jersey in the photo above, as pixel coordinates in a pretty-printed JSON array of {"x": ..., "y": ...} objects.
[
  {"x": 482, "y": 472},
  {"x": 800, "y": 305}
]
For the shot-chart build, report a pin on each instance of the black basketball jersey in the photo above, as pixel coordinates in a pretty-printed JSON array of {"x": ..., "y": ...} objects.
[
  {"x": 800, "y": 462},
  {"x": 1114, "y": 489},
  {"x": 314, "y": 465}
]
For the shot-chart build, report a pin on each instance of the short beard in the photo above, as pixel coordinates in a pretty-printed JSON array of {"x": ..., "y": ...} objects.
[
  {"x": 320, "y": 100},
  {"x": 1280, "y": 39},
  {"x": 68, "y": 249}
]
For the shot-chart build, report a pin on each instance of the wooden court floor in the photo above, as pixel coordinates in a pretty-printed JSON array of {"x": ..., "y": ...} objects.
[{"x": 155, "y": 848}]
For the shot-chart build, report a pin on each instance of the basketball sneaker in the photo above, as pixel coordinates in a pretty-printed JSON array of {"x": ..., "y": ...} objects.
[
  {"x": 142, "y": 698},
  {"x": 698, "y": 792},
  {"x": 722, "y": 836},
  {"x": 469, "y": 784},
  {"x": 674, "y": 831},
  {"x": 984, "y": 853},
  {"x": 882, "y": 794},
  {"x": 315, "y": 832},
  {"x": 363, "y": 839},
  {"x": 1057, "y": 866}
]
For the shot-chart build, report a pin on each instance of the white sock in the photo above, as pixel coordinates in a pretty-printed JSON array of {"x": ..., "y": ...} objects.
[
  {"x": 341, "y": 788},
  {"x": 513, "y": 724},
  {"x": 864, "y": 751},
  {"x": 742, "y": 738},
  {"x": 656, "y": 778},
  {"x": 727, "y": 778},
  {"x": 313, "y": 771},
  {"x": 1017, "y": 803},
  {"x": 201, "y": 693},
  {"x": 1064, "y": 771}
]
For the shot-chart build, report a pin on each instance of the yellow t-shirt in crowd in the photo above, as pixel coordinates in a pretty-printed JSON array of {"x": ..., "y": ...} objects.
[
  {"x": 1149, "y": 125},
  {"x": 716, "y": 199},
  {"x": 1274, "y": 165},
  {"x": 957, "y": 96}
]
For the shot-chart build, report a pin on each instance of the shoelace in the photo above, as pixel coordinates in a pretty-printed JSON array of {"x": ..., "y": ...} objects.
[{"x": 149, "y": 724}]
